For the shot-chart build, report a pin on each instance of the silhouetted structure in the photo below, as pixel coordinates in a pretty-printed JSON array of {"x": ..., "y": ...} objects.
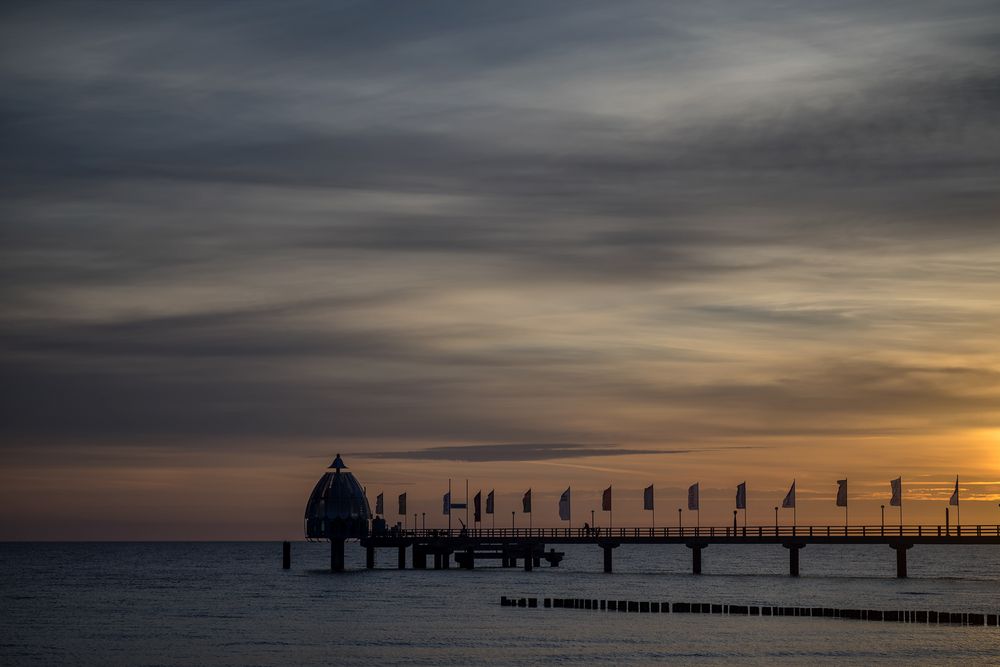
[{"x": 337, "y": 511}]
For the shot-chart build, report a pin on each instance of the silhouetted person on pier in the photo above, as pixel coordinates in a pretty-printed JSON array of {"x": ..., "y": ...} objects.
[{"x": 586, "y": 529}]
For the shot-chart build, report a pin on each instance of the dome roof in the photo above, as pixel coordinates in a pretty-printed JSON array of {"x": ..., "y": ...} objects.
[{"x": 337, "y": 506}]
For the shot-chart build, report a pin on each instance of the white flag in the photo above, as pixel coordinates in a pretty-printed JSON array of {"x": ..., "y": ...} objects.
[
  {"x": 741, "y": 496},
  {"x": 897, "y": 492},
  {"x": 564, "y": 507},
  {"x": 841, "y": 493},
  {"x": 954, "y": 494},
  {"x": 789, "y": 500},
  {"x": 693, "y": 496}
]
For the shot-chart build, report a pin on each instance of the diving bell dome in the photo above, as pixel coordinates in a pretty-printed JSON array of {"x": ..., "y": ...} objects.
[{"x": 337, "y": 507}]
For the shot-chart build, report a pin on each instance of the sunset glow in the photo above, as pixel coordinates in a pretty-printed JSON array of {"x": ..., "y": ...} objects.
[{"x": 734, "y": 247}]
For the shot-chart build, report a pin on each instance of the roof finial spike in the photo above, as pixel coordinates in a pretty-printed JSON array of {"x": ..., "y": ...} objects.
[{"x": 338, "y": 463}]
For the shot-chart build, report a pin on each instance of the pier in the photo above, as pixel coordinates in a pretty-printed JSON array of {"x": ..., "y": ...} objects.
[
  {"x": 532, "y": 546},
  {"x": 338, "y": 511}
]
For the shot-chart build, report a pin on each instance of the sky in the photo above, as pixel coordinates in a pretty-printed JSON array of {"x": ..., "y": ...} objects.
[{"x": 526, "y": 244}]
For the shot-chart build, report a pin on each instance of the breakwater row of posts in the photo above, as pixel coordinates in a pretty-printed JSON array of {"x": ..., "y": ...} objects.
[{"x": 646, "y": 607}]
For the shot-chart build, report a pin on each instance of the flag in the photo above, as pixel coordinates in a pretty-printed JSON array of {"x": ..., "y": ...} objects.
[
  {"x": 954, "y": 494},
  {"x": 741, "y": 496},
  {"x": 402, "y": 503},
  {"x": 489, "y": 503},
  {"x": 526, "y": 502},
  {"x": 789, "y": 501},
  {"x": 446, "y": 503},
  {"x": 897, "y": 492},
  {"x": 379, "y": 507},
  {"x": 693, "y": 496},
  {"x": 647, "y": 498},
  {"x": 564, "y": 506},
  {"x": 841, "y": 493},
  {"x": 477, "y": 507},
  {"x": 606, "y": 500}
]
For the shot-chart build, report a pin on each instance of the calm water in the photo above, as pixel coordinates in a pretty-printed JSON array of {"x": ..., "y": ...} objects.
[{"x": 231, "y": 604}]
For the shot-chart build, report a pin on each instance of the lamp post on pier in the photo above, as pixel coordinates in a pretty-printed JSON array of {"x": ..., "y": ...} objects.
[
  {"x": 680, "y": 524},
  {"x": 512, "y": 513},
  {"x": 423, "y": 520},
  {"x": 775, "y": 519},
  {"x": 883, "y": 518}
]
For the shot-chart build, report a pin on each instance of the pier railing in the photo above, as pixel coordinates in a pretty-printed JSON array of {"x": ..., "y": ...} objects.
[{"x": 675, "y": 532}]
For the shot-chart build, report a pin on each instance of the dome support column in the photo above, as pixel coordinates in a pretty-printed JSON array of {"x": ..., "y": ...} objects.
[{"x": 336, "y": 554}]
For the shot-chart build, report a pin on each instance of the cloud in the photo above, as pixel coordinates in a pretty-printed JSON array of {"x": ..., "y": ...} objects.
[
  {"x": 485, "y": 224},
  {"x": 517, "y": 452}
]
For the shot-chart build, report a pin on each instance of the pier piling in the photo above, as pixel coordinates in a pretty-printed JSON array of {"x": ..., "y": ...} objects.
[
  {"x": 336, "y": 555},
  {"x": 901, "y": 558},
  {"x": 370, "y": 558},
  {"x": 696, "y": 556},
  {"x": 286, "y": 555},
  {"x": 793, "y": 557},
  {"x": 608, "y": 548}
]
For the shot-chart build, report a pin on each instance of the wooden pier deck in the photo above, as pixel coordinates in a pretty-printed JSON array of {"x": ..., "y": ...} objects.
[{"x": 529, "y": 545}]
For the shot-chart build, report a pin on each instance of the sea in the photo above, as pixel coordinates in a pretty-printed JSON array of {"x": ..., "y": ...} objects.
[{"x": 230, "y": 603}]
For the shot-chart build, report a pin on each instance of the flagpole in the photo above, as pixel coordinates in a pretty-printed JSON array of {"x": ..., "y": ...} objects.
[
  {"x": 449, "y": 505},
  {"x": 958, "y": 508},
  {"x": 467, "y": 501}
]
